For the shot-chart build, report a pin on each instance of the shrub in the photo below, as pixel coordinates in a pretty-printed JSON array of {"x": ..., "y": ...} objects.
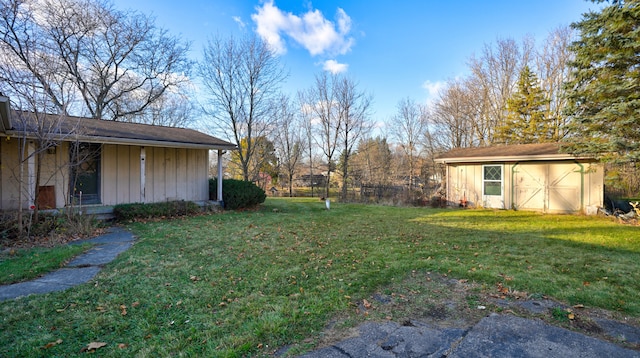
[
  {"x": 54, "y": 225},
  {"x": 123, "y": 212},
  {"x": 237, "y": 194}
]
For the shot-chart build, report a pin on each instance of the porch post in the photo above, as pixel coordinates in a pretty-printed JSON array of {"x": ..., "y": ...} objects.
[
  {"x": 219, "y": 191},
  {"x": 143, "y": 158}
]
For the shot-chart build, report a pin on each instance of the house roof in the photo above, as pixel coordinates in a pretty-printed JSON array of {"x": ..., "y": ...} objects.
[
  {"x": 69, "y": 128},
  {"x": 507, "y": 153}
]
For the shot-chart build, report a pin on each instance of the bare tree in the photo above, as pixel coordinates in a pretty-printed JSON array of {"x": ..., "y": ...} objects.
[
  {"x": 306, "y": 117},
  {"x": 453, "y": 115},
  {"x": 321, "y": 101},
  {"x": 494, "y": 75},
  {"x": 118, "y": 63},
  {"x": 372, "y": 160},
  {"x": 242, "y": 78},
  {"x": 174, "y": 109},
  {"x": 408, "y": 127},
  {"x": 353, "y": 108},
  {"x": 289, "y": 142},
  {"x": 552, "y": 63},
  {"x": 30, "y": 77}
]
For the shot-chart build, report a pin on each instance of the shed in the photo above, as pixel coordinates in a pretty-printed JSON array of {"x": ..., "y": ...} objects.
[
  {"x": 101, "y": 163},
  {"x": 538, "y": 177}
]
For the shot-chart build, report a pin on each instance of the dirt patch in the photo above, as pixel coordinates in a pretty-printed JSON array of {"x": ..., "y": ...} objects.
[{"x": 446, "y": 302}]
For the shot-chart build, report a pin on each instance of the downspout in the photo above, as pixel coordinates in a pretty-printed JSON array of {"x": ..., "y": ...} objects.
[
  {"x": 143, "y": 158},
  {"x": 513, "y": 185},
  {"x": 582, "y": 208}
]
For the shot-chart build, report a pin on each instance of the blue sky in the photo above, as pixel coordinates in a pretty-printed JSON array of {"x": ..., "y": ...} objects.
[{"x": 393, "y": 49}]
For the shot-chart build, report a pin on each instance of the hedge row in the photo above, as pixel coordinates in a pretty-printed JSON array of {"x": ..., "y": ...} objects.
[
  {"x": 237, "y": 194},
  {"x": 123, "y": 212}
]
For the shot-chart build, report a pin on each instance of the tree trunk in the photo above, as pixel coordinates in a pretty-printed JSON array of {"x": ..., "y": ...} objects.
[{"x": 290, "y": 185}]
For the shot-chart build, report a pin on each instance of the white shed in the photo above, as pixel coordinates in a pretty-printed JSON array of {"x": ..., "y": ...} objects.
[{"x": 535, "y": 177}]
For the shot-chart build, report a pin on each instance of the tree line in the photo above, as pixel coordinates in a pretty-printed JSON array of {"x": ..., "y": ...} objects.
[{"x": 85, "y": 57}]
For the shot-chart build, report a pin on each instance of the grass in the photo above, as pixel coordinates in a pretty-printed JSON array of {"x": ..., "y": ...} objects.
[
  {"x": 19, "y": 265},
  {"x": 245, "y": 283}
]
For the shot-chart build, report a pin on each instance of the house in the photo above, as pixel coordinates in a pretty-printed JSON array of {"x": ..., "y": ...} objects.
[
  {"x": 535, "y": 177},
  {"x": 99, "y": 163}
]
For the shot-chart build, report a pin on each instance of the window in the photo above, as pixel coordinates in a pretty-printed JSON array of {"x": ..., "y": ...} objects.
[
  {"x": 492, "y": 180},
  {"x": 85, "y": 173}
]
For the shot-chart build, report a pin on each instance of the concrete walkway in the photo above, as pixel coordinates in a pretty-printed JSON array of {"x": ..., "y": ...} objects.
[{"x": 80, "y": 270}]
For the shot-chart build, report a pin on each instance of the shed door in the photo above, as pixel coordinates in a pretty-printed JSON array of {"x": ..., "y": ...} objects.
[
  {"x": 548, "y": 187},
  {"x": 492, "y": 186}
]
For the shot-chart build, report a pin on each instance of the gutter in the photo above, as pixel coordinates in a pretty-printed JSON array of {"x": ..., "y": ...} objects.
[
  {"x": 520, "y": 158},
  {"x": 140, "y": 142}
]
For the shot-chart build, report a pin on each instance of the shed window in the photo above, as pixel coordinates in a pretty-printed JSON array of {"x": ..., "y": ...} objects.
[{"x": 492, "y": 180}]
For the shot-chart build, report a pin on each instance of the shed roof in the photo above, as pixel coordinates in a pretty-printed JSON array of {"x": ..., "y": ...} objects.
[
  {"x": 70, "y": 128},
  {"x": 507, "y": 153}
]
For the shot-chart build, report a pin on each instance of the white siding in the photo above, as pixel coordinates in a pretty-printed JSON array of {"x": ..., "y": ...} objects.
[
  {"x": 170, "y": 174},
  {"x": 554, "y": 187}
]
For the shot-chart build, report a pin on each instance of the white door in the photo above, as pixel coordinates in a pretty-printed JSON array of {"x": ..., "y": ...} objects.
[
  {"x": 492, "y": 186},
  {"x": 549, "y": 187}
]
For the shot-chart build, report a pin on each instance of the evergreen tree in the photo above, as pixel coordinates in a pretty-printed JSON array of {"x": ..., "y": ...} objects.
[
  {"x": 526, "y": 121},
  {"x": 604, "y": 94}
]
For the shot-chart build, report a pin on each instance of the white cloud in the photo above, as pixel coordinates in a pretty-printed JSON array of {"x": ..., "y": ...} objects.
[
  {"x": 239, "y": 21},
  {"x": 433, "y": 88},
  {"x": 334, "y": 67},
  {"x": 311, "y": 30}
]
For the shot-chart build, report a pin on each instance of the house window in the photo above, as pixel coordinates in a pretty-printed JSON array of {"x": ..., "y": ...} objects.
[
  {"x": 85, "y": 173},
  {"x": 492, "y": 180}
]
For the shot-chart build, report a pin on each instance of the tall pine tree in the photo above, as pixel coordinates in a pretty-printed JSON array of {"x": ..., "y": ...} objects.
[
  {"x": 604, "y": 94},
  {"x": 526, "y": 120}
]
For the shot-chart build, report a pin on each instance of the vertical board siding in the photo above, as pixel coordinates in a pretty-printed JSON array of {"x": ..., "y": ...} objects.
[
  {"x": 124, "y": 177},
  {"x": 109, "y": 174},
  {"x": 171, "y": 174},
  {"x": 10, "y": 171},
  {"x": 181, "y": 173},
  {"x": 134, "y": 175},
  {"x": 159, "y": 170},
  {"x": 176, "y": 174},
  {"x": 541, "y": 186}
]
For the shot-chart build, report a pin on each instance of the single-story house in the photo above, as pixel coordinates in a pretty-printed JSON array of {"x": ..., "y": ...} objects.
[
  {"x": 100, "y": 163},
  {"x": 538, "y": 177}
]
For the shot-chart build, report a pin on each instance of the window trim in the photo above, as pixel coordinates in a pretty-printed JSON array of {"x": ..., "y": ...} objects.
[{"x": 485, "y": 181}]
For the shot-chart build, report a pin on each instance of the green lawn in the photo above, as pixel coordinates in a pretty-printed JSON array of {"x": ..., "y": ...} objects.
[
  {"x": 26, "y": 264},
  {"x": 246, "y": 283}
]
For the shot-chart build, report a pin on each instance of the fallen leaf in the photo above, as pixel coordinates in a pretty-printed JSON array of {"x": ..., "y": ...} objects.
[
  {"x": 135, "y": 304},
  {"x": 52, "y": 344},
  {"x": 123, "y": 310},
  {"x": 571, "y": 316},
  {"x": 93, "y": 346},
  {"x": 123, "y": 345},
  {"x": 579, "y": 305},
  {"x": 366, "y": 304}
]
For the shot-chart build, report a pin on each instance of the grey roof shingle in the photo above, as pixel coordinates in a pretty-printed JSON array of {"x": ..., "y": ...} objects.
[
  {"x": 104, "y": 131},
  {"x": 535, "y": 151}
]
